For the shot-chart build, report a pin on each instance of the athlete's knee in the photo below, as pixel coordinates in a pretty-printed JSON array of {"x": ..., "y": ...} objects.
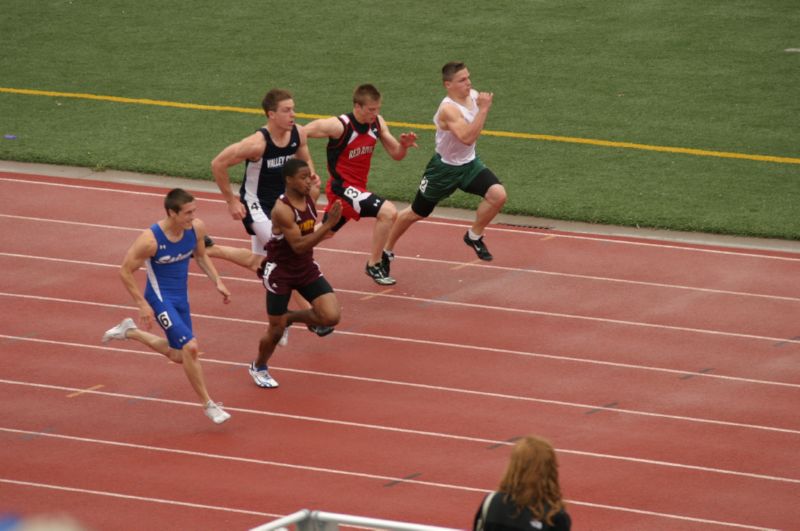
[
  {"x": 328, "y": 312},
  {"x": 496, "y": 195},
  {"x": 191, "y": 350},
  {"x": 388, "y": 211}
]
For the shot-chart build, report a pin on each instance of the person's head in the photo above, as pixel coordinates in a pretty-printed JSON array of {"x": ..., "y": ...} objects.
[
  {"x": 366, "y": 103},
  {"x": 531, "y": 478},
  {"x": 278, "y": 106},
  {"x": 455, "y": 77},
  {"x": 180, "y": 207},
  {"x": 297, "y": 175}
]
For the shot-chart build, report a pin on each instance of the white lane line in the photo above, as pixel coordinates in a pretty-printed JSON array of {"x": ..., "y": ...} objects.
[
  {"x": 589, "y": 361},
  {"x": 505, "y": 309},
  {"x": 452, "y": 264},
  {"x": 109, "y": 494},
  {"x": 493, "y": 228},
  {"x": 422, "y": 433},
  {"x": 360, "y": 475}
]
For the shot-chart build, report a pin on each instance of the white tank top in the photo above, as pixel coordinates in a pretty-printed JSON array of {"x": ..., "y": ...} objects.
[{"x": 451, "y": 149}]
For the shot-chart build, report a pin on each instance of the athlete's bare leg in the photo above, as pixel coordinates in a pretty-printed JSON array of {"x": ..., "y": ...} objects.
[
  {"x": 193, "y": 370},
  {"x": 324, "y": 311},
  {"x": 237, "y": 255},
  {"x": 268, "y": 342},
  {"x": 405, "y": 219},
  {"x": 154, "y": 342},
  {"x": 383, "y": 225},
  {"x": 187, "y": 356},
  {"x": 299, "y": 301},
  {"x": 489, "y": 207}
]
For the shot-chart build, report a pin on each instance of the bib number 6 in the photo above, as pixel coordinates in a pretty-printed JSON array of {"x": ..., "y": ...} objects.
[{"x": 164, "y": 320}]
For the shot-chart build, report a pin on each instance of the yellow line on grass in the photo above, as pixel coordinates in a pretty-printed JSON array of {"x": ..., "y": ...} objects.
[
  {"x": 143, "y": 101},
  {"x": 507, "y": 134},
  {"x": 647, "y": 147}
]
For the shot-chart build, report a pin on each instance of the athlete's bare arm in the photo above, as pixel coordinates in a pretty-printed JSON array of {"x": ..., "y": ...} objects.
[
  {"x": 250, "y": 148},
  {"x": 143, "y": 247},
  {"x": 451, "y": 119},
  {"x": 397, "y": 149},
  {"x": 205, "y": 263},
  {"x": 303, "y": 153},
  {"x": 283, "y": 222},
  {"x": 324, "y": 127}
]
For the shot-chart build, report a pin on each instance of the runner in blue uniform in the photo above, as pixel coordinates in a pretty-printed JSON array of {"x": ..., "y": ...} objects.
[{"x": 165, "y": 249}]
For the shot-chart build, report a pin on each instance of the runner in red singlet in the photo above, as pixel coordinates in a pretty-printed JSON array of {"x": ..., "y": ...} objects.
[{"x": 351, "y": 141}]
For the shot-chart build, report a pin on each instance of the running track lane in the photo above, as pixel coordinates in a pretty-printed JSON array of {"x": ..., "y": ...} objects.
[{"x": 622, "y": 456}]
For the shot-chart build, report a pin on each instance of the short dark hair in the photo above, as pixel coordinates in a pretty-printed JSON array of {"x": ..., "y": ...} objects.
[
  {"x": 176, "y": 198},
  {"x": 273, "y": 98},
  {"x": 364, "y": 93},
  {"x": 449, "y": 70},
  {"x": 292, "y": 167}
]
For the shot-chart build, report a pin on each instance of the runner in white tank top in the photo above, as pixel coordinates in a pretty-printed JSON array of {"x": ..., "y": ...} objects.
[
  {"x": 451, "y": 149},
  {"x": 455, "y": 166}
]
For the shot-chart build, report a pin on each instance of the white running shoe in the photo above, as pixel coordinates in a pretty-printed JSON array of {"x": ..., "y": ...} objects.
[
  {"x": 215, "y": 412},
  {"x": 262, "y": 377},
  {"x": 284, "y": 340},
  {"x": 120, "y": 331}
]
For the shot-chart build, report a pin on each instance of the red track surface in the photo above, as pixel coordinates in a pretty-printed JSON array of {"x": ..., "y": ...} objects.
[{"x": 667, "y": 376}]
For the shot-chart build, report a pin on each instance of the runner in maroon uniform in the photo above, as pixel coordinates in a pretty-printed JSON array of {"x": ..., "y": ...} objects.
[
  {"x": 352, "y": 138},
  {"x": 264, "y": 154},
  {"x": 289, "y": 265}
]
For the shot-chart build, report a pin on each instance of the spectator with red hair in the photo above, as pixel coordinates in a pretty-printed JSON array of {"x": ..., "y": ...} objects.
[{"x": 529, "y": 496}]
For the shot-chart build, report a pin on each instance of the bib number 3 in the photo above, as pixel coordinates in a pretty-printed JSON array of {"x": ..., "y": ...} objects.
[{"x": 352, "y": 193}]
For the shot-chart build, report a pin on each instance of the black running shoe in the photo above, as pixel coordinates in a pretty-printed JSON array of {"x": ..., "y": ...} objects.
[
  {"x": 386, "y": 261},
  {"x": 478, "y": 246},
  {"x": 321, "y": 331},
  {"x": 379, "y": 275},
  {"x": 208, "y": 241}
]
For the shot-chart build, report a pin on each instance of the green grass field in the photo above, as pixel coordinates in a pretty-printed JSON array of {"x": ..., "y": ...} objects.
[{"x": 708, "y": 76}]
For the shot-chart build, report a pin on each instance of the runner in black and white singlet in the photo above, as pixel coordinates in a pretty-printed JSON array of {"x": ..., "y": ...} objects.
[
  {"x": 265, "y": 152},
  {"x": 263, "y": 184}
]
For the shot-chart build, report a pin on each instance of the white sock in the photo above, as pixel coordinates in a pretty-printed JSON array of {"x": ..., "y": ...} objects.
[{"x": 473, "y": 236}]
